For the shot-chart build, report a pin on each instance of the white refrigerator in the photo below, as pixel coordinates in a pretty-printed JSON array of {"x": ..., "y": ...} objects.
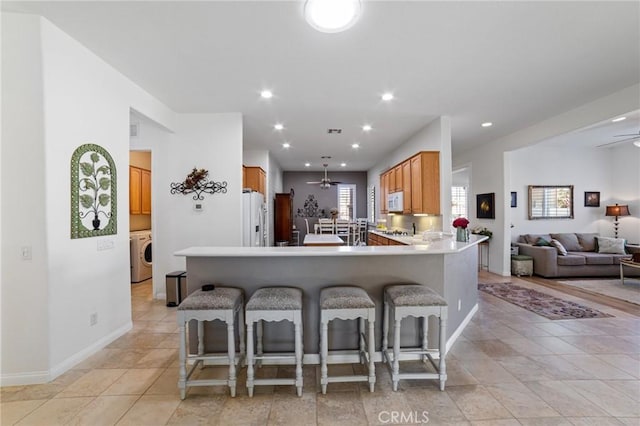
[{"x": 253, "y": 219}]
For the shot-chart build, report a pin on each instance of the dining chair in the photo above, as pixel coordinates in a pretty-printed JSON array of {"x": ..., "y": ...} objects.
[
  {"x": 343, "y": 229},
  {"x": 361, "y": 224},
  {"x": 306, "y": 222},
  {"x": 326, "y": 226}
]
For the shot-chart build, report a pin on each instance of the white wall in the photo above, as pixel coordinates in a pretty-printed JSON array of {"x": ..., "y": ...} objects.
[
  {"x": 25, "y": 311},
  {"x": 435, "y": 136},
  {"x": 61, "y": 96},
  {"x": 491, "y": 169},
  {"x": 209, "y": 141},
  {"x": 586, "y": 170},
  {"x": 625, "y": 189}
]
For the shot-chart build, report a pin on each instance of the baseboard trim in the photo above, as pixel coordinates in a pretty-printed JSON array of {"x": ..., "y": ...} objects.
[
  {"x": 78, "y": 357},
  {"x": 454, "y": 336},
  {"x": 38, "y": 377}
]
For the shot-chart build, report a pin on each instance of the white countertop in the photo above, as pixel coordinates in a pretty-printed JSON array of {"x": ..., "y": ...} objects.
[
  {"x": 444, "y": 246},
  {"x": 320, "y": 239}
]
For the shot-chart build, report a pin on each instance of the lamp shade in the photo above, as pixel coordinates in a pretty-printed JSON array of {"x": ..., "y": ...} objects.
[{"x": 617, "y": 210}]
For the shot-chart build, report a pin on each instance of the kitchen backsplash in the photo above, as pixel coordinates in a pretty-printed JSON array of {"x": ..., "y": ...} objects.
[{"x": 423, "y": 223}]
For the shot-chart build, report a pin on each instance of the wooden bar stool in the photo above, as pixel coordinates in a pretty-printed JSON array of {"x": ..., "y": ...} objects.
[
  {"x": 222, "y": 303},
  {"x": 420, "y": 302},
  {"x": 274, "y": 304},
  {"x": 347, "y": 303}
]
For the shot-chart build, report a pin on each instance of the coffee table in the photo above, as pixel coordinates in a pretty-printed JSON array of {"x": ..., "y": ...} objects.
[{"x": 630, "y": 264}]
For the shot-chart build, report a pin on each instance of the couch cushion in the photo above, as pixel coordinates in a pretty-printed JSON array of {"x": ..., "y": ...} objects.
[
  {"x": 597, "y": 258},
  {"x": 569, "y": 241},
  {"x": 588, "y": 241},
  {"x": 532, "y": 238},
  {"x": 618, "y": 257},
  {"x": 571, "y": 260},
  {"x": 558, "y": 245},
  {"x": 611, "y": 245}
]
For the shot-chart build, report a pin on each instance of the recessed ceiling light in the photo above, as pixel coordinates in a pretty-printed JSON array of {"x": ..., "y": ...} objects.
[
  {"x": 278, "y": 126},
  {"x": 355, "y": 145},
  {"x": 366, "y": 128},
  {"x": 286, "y": 145},
  {"x": 387, "y": 96},
  {"x": 343, "y": 164},
  {"x": 266, "y": 94},
  {"x": 332, "y": 16},
  {"x": 487, "y": 124},
  {"x": 307, "y": 164},
  {"x": 615, "y": 120}
]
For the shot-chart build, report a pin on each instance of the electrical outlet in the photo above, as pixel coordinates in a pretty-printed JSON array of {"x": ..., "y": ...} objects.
[
  {"x": 93, "y": 318},
  {"x": 459, "y": 304}
]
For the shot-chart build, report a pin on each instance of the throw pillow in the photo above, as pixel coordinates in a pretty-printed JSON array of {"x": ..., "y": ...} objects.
[
  {"x": 611, "y": 245},
  {"x": 558, "y": 245},
  {"x": 588, "y": 241},
  {"x": 568, "y": 240},
  {"x": 542, "y": 242},
  {"x": 532, "y": 238}
]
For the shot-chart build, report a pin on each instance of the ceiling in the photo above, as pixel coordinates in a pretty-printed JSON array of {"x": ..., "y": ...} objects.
[{"x": 511, "y": 63}]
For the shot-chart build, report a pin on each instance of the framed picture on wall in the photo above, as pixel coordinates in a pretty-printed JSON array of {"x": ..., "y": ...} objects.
[
  {"x": 591, "y": 199},
  {"x": 485, "y": 206},
  {"x": 514, "y": 199}
]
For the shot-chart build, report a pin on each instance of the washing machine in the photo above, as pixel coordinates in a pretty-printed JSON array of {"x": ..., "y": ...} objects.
[{"x": 140, "y": 256}]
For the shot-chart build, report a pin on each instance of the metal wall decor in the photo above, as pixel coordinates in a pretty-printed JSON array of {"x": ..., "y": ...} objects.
[
  {"x": 310, "y": 208},
  {"x": 93, "y": 192},
  {"x": 196, "y": 183}
]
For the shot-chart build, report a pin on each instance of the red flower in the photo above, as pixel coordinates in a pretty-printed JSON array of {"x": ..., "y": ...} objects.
[{"x": 460, "y": 222}]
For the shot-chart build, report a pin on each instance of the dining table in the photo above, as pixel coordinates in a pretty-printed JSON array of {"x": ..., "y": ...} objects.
[{"x": 322, "y": 240}]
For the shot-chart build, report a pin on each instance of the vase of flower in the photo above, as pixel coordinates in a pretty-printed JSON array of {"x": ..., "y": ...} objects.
[{"x": 461, "y": 224}]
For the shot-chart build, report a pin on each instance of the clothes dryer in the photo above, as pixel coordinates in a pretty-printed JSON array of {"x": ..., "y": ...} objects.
[{"x": 141, "y": 256}]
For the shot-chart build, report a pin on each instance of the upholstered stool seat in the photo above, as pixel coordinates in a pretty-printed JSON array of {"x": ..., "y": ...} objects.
[
  {"x": 274, "y": 304},
  {"x": 347, "y": 303},
  {"x": 415, "y": 300},
  {"x": 222, "y": 303}
]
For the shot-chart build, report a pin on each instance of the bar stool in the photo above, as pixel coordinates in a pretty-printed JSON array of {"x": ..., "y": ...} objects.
[
  {"x": 347, "y": 302},
  {"x": 274, "y": 304},
  {"x": 222, "y": 303},
  {"x": 420, "y": 302}
]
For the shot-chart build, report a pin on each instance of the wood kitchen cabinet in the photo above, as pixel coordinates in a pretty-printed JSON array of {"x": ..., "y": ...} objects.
[
  {"x": 255, "y": 178},
  {"x": 384, "y": 191},
  {"x": 397, "y": 172},
  {"x": 139, "y": 190},
  {"x": 425, "y": 182},
  {"x": 379, "y": 240},
  {"x": 406, "y": 186}
]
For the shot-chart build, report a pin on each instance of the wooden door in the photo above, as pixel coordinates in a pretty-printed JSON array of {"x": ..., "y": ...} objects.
[{"x": 283, "y": 217}]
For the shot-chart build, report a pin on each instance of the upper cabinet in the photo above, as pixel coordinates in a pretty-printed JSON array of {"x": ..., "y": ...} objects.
[
  {"x": 255, "y": 178},
  {"x": 419, "y": 180},
  {"x": 425, "y": 182},
  {"x": 139, "y": 190}
]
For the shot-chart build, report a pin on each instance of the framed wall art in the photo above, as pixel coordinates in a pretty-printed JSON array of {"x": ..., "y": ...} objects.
[
  {"x": 485, "y": 206},
  {"x": 591, "y": 199}
]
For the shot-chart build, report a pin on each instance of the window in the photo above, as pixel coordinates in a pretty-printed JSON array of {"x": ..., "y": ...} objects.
[
  {"x": 346, "y": 200},
  {"x": 372, "y": 204},
  {"x": 551, "y": 202},
  {"x": 458, "y": 201}
]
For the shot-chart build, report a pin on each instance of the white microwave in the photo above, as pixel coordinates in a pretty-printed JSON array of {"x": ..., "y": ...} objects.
[{"x": 395, "y": 202}]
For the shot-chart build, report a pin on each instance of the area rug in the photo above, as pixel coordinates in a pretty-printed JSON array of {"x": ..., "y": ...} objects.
[
  {"x": 540, "y": 303},
  {"x": 629, "y": 292}
]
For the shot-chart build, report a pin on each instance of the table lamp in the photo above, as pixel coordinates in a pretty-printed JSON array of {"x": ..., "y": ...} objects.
[{"x": 617, "y": 211}]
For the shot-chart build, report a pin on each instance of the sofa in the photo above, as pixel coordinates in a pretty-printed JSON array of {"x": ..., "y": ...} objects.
[{"x": 576, "y": 254}]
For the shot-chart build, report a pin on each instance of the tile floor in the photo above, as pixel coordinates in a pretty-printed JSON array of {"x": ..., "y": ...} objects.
[{"x": 510, "y": 367}]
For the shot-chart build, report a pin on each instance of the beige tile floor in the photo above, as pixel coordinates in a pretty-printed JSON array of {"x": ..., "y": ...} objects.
[{"x": 510, "y": 367}]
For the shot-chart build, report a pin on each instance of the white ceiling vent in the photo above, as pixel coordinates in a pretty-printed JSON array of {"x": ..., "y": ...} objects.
[
  {"x": 334, "y": 131},
  {"x": 133, "y": 129}
]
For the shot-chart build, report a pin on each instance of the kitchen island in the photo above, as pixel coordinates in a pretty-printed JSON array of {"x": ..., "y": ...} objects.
[{"x": 444, "y": 265}]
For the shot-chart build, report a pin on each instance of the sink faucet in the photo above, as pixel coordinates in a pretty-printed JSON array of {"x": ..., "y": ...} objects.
[{"x": 413, "y": 225}]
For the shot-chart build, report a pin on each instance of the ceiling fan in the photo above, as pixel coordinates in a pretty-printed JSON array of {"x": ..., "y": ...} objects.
[
  {"x": 627, "y": 138},
  {"x": 325, "y": 182}
]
